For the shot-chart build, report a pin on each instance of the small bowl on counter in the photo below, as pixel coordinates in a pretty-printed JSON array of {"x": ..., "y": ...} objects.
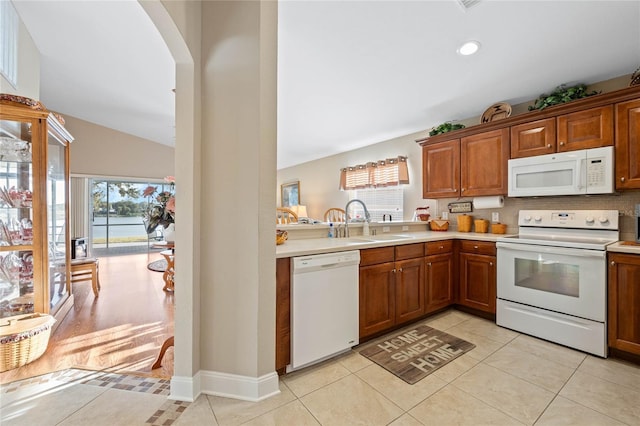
[{"x": 281, "y": 236}]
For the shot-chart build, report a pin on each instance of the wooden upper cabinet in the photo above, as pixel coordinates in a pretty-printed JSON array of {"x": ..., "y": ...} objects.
[
  {"x": 483, "y": 163},
  {"x": 628, "y": 145},
  {"x": 592, "y": 128},
  {"x": 441, "y": 170},
  {"x": 534, "y": 138}
]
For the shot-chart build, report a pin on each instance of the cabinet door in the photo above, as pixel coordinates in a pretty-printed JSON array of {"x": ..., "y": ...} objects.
[
  {"x": 283, "y": 313},
  {"x": 483, "y": 163},
  {"x": 441, "y": 170},
  {"x": 534, "y": 138},
  {"x": 409, "y": 290},
  {"x": 478, "y": 282},
  {"x": 377, "y": 298},
  {"x": 628, "y": 145},
  {"x": 592, "y": 128},
  {"x": 624, "y": 302},
  {"x": 439, "y": 281}
]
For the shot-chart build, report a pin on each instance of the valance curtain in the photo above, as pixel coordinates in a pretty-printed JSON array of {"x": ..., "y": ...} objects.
[{"x": 389, "y": 172}]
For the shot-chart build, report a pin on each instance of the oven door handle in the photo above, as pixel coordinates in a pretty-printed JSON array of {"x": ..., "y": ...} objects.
[{"x": 598, "y": 254}]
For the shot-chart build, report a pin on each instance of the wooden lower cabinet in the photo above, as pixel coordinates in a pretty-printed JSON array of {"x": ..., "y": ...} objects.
[
  {"x": 409, "y": 290},
  {"x": 477, "y": 278},
  {"x": 283, "y": 313},
  {"x": 624, "y": 302},
  {"x": 439, "y": 275},
  {"x": 377, "y": 298},
  {"x": 439, "y": 281}
]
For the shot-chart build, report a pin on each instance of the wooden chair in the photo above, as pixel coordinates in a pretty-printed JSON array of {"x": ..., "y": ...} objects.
[
  {"x": 285, "y": 215},
  {"x": 335, "y": 214},
  {"x": 85, "y": 269}
]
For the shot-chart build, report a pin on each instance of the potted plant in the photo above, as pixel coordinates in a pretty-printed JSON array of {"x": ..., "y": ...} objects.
[
  {"x": 444, "y": 128},
  {"x": 561, "y": 95}
]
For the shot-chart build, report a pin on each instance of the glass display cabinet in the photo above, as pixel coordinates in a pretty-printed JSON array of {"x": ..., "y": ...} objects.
[{"x": 34, "y": 210}]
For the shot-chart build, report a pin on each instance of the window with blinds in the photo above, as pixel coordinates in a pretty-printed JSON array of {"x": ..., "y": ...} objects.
[
  {"x": 9, "y": 42},
  {"x": 383, "y": 173},
  {"x": 380, "y": 201}
]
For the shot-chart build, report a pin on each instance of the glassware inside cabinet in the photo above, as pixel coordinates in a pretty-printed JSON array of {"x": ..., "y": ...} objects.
[{"x": 16, "y": 283}]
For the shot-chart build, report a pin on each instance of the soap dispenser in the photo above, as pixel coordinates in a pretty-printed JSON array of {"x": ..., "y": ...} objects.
[{"x": 365, "y": 228}]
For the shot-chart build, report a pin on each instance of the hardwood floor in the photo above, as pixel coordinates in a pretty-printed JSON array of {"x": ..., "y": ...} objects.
[{"x": 120, "y": 331}]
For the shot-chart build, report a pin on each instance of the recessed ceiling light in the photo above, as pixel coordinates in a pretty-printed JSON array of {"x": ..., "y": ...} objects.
[{"x": 469, "y": 48}]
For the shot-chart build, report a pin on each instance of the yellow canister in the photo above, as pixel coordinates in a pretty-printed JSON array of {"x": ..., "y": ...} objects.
[{"x": 464, "y": 223}]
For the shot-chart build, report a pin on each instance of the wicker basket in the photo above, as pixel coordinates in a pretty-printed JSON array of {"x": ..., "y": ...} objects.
[
  {"x": 23, "y": 338},
  {"x": 439, "y": 225},
  {"x": 498, "y": 228}
]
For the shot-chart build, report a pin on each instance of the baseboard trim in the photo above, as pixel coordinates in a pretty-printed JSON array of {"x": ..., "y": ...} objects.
[
  {"x": 239, "y": 387},
  {"x": 185, "y": 388}
]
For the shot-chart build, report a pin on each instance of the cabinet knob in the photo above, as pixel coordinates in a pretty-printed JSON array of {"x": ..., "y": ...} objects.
[
  {"x": 613, "y": 263},
  {"x": 400, "y": 269},
  {"x": 622, "y": 179},
  {"x": 475, "y": 247},
  {"x": 549, "y": 145},
  {"x": 561, "y": 143},
  {"x": 429, "y": 264},
  {"x": 462, "y": 190},
  {"x": 394, "y": 271},
  {"x": 490, "y": 263},
  {"x": 441, "y": 247}
]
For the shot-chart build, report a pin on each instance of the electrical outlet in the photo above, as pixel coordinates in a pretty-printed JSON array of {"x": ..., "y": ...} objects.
[
  {"x": 405, "y": 228},
  {"x": 445, "y": 215},
  {"x": 495, "y": 217},
  {"x": 385, "y": 229}
]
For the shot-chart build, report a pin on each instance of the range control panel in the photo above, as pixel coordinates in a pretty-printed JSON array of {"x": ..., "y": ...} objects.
[{"x": 578, "y": 219}]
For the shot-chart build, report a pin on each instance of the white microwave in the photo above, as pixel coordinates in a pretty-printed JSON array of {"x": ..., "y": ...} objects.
[{"x": 586, "y": 171}]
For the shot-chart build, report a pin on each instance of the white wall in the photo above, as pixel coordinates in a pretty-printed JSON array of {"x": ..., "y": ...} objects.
[
  {"x": 319, "y": 179},
  {"x": 101, "y": 151},
  {"x": 28, "y": 67}
]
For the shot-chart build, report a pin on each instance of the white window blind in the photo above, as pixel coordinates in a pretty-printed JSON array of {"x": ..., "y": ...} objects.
[
  {"x": 9, "y": 42},
  {"x": 380, "y": 201}
]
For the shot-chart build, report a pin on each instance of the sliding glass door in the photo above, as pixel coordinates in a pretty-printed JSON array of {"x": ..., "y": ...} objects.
[{"x": 117, "y": 216}]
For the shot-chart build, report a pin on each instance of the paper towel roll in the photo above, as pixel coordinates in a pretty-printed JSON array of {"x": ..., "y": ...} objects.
[{"x": 493, "y": 202}]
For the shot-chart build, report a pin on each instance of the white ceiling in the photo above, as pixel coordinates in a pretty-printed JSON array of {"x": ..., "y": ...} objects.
[{"x": 350, "y": 73}]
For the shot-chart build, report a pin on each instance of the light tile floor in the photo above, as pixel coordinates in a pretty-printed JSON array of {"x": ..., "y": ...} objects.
[{"x": 508, "y": 379}]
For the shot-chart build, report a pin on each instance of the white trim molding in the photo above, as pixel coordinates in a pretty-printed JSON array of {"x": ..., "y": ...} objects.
[
  {"x": 239, "y": 387},
  {"x": 185, "y": 388}
]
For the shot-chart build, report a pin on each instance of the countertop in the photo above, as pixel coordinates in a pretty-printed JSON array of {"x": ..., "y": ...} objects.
[
  {"x": 624, "y": 247},
  {"x": 308, "y": 246}
]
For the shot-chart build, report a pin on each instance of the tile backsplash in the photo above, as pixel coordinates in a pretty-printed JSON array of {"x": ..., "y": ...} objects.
[{"x": 623, "y": 202}]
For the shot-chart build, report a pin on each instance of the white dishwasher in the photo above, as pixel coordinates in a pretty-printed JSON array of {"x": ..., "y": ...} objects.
[{"x": 324, "y": 306}]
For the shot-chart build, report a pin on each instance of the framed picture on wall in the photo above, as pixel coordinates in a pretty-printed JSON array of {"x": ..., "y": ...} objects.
[{"x": 290, "y": 194}]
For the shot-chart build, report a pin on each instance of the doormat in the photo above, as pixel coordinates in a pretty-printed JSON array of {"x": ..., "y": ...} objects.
[
  {"x": 158, "y": 265},
  {"x": 415, "y": 353}
]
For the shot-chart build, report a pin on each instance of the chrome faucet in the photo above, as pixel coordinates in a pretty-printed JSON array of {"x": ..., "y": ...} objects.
[{"x": 367, "y": 216}]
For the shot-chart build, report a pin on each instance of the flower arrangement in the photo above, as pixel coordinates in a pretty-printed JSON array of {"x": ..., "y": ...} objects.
[{"x": 162, "y": 206}]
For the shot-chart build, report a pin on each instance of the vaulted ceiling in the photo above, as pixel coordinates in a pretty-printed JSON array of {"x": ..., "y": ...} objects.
[{"x": 350, "y": 73}]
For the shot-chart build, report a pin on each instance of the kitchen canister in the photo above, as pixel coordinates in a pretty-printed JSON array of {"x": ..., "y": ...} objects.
[
  {"x": 481, "y": 225},
  {"x": 464, "y": 223},
  {"x": 498, "y": 228}
]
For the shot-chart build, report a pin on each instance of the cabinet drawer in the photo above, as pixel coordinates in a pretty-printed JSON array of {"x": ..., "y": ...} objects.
[
  {"x": 438, "y": 247},
  {"x": 409, "y": 251},
  {"x": 376, "y": 255},
  {"x": 479, "y": 247}
]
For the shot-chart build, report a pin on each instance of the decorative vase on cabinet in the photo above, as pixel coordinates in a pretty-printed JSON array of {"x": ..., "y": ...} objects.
[
  {"x": 34, "y": 209},
  {"x": 170, "y": 233}
]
